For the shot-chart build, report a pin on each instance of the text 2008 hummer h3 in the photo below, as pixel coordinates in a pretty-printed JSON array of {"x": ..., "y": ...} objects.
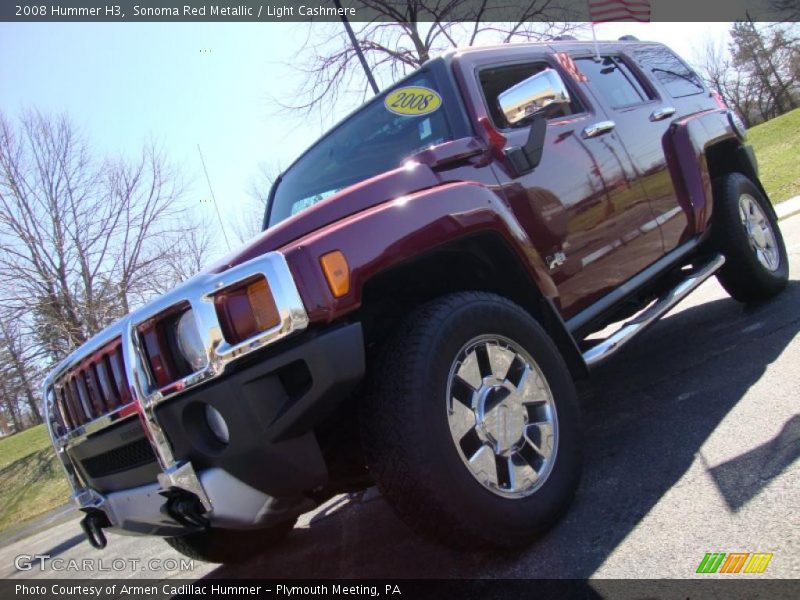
[{"x": 417, "y": 308}]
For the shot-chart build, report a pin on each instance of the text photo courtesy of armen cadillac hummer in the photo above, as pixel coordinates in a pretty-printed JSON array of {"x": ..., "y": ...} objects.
[{"x": 399, "y": 291}]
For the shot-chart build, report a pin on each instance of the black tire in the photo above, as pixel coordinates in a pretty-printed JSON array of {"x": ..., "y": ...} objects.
[
  {"x": 407, "y": 438},
  {"x": 229, "y": 546},
  {"x": 744, "y": 277}
]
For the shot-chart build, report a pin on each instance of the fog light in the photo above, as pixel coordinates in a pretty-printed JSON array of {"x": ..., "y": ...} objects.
[
  {"x": 189, "y": 342},
  {"x": 217, "y": 425}
]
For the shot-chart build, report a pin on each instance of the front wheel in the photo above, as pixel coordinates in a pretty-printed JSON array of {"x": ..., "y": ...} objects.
[
  {"x": 470, "y": 424},
  {"x": 746, "y": 232}
]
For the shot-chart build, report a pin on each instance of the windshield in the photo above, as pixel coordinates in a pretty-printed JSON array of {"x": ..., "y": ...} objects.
[{"x": 372, "y": 141}]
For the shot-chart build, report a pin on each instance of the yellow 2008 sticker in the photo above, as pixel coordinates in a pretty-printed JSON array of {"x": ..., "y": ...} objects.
[{"x": 412, "y": 101}]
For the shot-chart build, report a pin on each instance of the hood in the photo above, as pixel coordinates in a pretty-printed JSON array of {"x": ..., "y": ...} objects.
[{"x": 379, "y": 189}]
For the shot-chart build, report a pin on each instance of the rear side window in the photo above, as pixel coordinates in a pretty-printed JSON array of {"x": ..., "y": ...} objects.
[
  {"x": 678, "y": 79},
  {"x": 613, "y": 80}
]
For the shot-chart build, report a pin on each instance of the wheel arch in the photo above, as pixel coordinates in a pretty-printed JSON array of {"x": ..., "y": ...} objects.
[
  {"x": 477, "y": 262},
  {"x": 729, "y": 156},
  {"x": 459, "y": 236}
]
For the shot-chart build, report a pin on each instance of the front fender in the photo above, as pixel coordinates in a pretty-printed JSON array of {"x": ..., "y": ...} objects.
[
  {"x": 685, "y": 147},
  {"x": 386, "y": 235}
]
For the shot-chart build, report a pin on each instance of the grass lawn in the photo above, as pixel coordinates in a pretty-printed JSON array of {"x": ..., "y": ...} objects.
[
  {"x": 777, "y": 146},
  {"x": 31, "y": 479}
]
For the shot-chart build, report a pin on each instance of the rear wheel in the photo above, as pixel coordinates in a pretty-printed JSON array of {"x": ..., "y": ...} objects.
[
  {"x": 746, "y": 231},
  {"x": 470, "y": 425},
  {"x": 229, "y": 546}
]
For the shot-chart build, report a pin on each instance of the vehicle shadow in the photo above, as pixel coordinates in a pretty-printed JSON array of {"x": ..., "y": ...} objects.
[
  {"x": 646, "y": 414},
  {"x": 65, "y": 545},
  {"x": 741, "y": 478}
]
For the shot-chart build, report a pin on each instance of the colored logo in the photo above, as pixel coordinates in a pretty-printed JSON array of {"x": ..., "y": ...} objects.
[{"x": 734, "y": 562}]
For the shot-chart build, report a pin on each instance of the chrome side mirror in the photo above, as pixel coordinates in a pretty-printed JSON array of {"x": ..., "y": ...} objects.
[{"x": 543, "y": 93}]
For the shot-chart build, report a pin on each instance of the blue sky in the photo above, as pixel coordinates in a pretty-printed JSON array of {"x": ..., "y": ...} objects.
[
  {"x": 184, "y": 84},
  {"x": 181, "y": 84}
]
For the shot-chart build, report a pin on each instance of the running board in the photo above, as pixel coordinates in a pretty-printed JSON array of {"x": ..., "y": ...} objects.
[{"x": 629, "y": 330}]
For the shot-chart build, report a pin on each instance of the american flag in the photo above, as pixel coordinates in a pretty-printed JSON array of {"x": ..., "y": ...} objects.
[
  {"x": 565, "y": 60},
  {"x": 602, "y": 11}
]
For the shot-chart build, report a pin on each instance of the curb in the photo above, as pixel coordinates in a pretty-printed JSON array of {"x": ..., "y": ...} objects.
[
  {"x": 788, "y": 208},
  {"x": 51, "y": 518}
]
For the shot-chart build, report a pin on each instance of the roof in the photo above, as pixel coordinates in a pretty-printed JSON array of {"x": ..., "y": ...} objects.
[{"x": 552, "y": 45}]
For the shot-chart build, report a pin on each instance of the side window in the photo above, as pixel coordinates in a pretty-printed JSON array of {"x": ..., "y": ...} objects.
[
  {"x": 613, "y": 80},
  {"x": 678, "y": 79},
  {"x": 497, "y": 80}
]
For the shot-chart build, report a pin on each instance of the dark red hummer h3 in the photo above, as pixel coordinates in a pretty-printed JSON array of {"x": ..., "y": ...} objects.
[{"x": 419, "y": 305}]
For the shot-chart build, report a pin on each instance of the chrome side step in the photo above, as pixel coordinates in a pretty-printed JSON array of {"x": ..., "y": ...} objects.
[{"x": 629, "y": 330}]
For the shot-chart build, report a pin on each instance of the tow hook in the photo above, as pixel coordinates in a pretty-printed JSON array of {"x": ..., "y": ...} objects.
[
  {"x": 186, "y": 509},
  {"x": 92, "y": 525}
]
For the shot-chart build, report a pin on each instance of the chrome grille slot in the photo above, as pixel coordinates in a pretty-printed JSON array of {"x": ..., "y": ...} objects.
[{"x": 93, "y": 388}]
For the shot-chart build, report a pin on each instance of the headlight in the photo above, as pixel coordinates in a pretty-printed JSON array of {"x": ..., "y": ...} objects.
[{"x": 189, "y": 343}]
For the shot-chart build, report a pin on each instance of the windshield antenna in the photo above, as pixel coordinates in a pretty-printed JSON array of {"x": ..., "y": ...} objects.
[{"x": 214, "y": 198}]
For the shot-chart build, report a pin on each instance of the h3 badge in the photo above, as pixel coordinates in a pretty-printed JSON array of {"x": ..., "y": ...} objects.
[{"x": 556, "y": 260}]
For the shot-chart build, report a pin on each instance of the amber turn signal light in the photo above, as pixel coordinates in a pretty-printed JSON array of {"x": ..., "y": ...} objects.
[
  {"x": 263, "y": 304},
  {"x": 337, "y": 272},
  {"x": 246, "y": 310}
]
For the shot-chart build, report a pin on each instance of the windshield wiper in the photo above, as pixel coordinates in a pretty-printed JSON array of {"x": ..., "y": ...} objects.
[{"x": 682, "y": 76}]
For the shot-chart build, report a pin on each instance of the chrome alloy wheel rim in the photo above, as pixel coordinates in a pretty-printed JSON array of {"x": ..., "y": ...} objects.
[
  {"x": 502, "y": 416},
  {"x": 759, "y": 232}
]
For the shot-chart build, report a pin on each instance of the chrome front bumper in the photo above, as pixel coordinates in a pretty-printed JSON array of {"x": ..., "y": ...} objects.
[
  {"x": 175, "y": 475},
  {"x": 236, "y": 505}
]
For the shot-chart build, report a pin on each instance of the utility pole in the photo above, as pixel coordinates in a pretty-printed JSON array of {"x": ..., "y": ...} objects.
[{"x": 373, "y": 84}]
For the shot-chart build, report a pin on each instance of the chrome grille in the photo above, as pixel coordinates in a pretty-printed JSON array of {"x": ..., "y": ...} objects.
[
  {"x": 107, "y": 379},
  {"x": 97, "y": 386}
]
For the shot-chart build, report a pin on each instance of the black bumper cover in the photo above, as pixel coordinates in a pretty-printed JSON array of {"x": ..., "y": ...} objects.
[{"x": 271, "y": 408}]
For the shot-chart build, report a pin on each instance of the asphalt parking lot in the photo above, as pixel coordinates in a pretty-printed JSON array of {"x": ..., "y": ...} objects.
[{"x": 692, "y": 439}]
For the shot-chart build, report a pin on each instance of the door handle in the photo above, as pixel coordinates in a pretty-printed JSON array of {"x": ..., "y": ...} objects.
[
  {"x": 662, "y": 113},
  {"x": 598, "y": 129}
]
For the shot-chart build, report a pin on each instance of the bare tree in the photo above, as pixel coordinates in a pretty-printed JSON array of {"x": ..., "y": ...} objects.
[
  {"x": 403, "y": 34},
  {"x": 9, "y": 403},
  {"x": 20, "y": 368},
  {"x": 12, "y": 393},
  {"x": 80, "y": 239},
  {"x": 785, "y": 10},
  {"x": 715, "y": 65},
  {"x": 247, "y": 224},
  {"x": 758, "y": 74},
  {"x": 763, "y": 54},
  {"x": 183, "y": 256}
]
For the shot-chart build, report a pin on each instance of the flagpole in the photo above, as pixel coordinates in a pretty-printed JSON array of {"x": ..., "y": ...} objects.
[
  {"x": 596, "y": 46},
  {"x": 357, "y": 47}
]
